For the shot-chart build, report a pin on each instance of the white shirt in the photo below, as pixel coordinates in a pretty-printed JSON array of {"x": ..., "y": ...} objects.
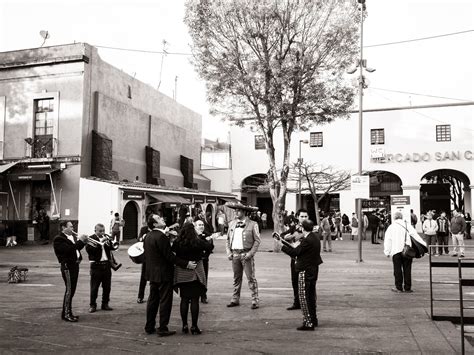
[
  {"x": 395, "y": 237},
  {"x": 237, "y": 241},
  {"x": 104, "y": 255},
  {"x": 71, "y": 238}
]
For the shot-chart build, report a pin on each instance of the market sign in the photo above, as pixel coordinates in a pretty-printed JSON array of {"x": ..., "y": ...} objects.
[
  {"x": 198, "y": 199},
  {"x": 133, "y": 195},
  {"x": 380, "y": 156},
  {"x": 211, "y": 199}
]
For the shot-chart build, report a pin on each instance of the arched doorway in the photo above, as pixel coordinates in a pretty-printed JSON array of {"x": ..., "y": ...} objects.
[
  {"x": 255, "y": 192},
  {"x": 383, "y": 184},
  {"x": 443, "y": 190},
  {"x": 130, "y": 215}
]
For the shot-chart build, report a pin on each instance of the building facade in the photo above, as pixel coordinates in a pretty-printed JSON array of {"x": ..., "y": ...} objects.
[
  {"x": 65, "y": 114},
  {"x": 424, "y": 153}
]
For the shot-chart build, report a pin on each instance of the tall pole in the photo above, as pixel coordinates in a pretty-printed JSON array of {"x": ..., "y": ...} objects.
[
  {"x": 359, "y": 155},
  {"x": 299, "y": 177}
]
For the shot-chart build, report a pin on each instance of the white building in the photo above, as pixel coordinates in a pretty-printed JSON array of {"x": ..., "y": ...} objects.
[{"x": 408, "y": 145}]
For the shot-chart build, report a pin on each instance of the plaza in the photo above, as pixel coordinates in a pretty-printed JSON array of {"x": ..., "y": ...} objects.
[{"x": 357, "y": 311}]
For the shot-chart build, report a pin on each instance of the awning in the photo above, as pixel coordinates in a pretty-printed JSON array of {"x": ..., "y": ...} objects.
[
  {"x": 5, "y": 167},
  {"x": 171, "y": 198},
  {"x": 228, "y": 199},
  {"x": 32, "y": 174}
]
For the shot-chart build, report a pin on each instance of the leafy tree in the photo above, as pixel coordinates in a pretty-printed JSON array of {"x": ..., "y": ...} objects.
[
  {"x": 319, "y": 181},
  {"x": 278, "y": 64}
]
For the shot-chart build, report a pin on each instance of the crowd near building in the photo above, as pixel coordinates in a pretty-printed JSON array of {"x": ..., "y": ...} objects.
[{"x": 81, "y": 140}]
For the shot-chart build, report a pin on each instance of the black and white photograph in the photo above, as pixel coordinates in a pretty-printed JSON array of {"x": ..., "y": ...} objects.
[{"x": 236, "y": 176}]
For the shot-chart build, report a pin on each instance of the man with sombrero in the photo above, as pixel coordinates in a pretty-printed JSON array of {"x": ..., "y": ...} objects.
[{"x": 243, "y": 239}]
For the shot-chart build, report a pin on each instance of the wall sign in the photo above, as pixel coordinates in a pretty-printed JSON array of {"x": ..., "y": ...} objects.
[
  {"x": 133, "y": 195},
  {"x": 423, "y": 157},
  {"x": 360, "y": 186}
]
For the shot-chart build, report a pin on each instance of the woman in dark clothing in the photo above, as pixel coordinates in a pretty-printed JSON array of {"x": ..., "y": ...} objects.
[{"x": 192, "y": 284}]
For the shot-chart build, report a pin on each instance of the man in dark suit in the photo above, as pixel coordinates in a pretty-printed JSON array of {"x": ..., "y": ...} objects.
[
  {"x": 101, "y": 271},
  {"x": 67, "y": 249},
  {"x": 308, "y": 259},
  {"x": 160, "y": 261}
]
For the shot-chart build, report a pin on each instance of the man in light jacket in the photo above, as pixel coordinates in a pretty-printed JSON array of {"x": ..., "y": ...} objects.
[
  {"x": 397, "y": 235},
  {"x": 430, "y": 227},
  {"x": 458, "y": 227}
]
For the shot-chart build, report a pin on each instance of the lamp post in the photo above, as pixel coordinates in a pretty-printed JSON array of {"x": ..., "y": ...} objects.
[
  {"x": 362, "y": 65},
  {"x": 300, "y": 162}
]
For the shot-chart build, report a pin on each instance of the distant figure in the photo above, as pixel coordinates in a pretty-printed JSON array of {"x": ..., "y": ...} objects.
[
  {"x": 443, "y": 234},
  {"x": 397, "y": 235},
  {"x": 354, "y": 226},
  {"x": 337, "y": 225},
  {"x": 116, "y": 225},
  {"x": 345, "y": 223},
  {"x": 430, "y": 228},
  {"x": 374, "y": 226},
  {"x": 43, "y": 226},
  {"x": 468, "y": 220},
  {"x": 326, "y": 233},
  {"x": 264, "y": 220},
  {"x": 413, "y": 219},
  {"x": 458, "y": 228},
  {"x": 221, "y": 220}
]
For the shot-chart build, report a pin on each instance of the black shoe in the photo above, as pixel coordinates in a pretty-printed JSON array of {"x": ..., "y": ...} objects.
[
  {"x": 153, "y": 331},
  {"x": 305, "y": 327},
  {"x": 409, "y": 291},
  {"x": 195, "y": 330},
  {"x": 254, "y": 306},
  {"x": 70, "y": 319},
  {"x": 166, "y": 333},
  {"x": 106, "y": 307},
  {"x": 140, "y": 300},
  {"x": 92, "y": 309},
  {"x": 185, "y": 329},
  {"x": 293, "y": 307},
  {"x": 233, "y": 304},
  {"x": 204, "y": 300},
  {"x": 73, "y": 316}
]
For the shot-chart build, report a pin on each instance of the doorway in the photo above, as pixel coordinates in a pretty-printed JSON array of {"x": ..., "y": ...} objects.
[{"x": 130, "y": 215}]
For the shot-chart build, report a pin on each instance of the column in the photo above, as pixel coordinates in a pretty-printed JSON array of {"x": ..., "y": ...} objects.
[
  {"x": 414, "y": 193},
  {"x": 468, "y": 200}
]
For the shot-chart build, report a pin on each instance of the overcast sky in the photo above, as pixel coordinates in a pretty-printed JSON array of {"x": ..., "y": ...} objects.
[{"x": 438, "y": 67}]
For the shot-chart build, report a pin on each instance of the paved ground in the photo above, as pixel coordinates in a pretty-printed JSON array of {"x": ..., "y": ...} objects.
[{"x": 357, "y": 311}]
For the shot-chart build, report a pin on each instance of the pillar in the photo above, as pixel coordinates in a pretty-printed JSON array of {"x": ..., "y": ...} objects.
[{"x": 414, "y": 193}]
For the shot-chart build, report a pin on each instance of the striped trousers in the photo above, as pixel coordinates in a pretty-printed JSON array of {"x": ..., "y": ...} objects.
[
  {"x": 70, "y": 274},
  {"x": 307, "y": 293}
]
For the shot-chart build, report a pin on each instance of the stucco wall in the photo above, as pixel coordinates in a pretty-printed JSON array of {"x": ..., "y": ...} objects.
[{"x": 221, "y": 179}]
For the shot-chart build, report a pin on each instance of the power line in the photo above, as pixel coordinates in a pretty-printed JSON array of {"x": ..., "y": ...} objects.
[
  {"x": 142, "y": 50},
  {"x": 413, "y": 93},
  {"x": 419, "y": 39}
]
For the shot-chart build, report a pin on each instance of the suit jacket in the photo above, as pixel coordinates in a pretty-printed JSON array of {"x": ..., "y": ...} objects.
[
  {"x": 95, "y": 253},
  {"x": 159, "y": 258},
  {"x": 250, "y": 236},
  {"x": 65, "y": 250},
  {"x": 308, "y": 253}
]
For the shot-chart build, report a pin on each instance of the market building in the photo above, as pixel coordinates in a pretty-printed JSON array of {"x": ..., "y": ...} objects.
[
  {"x": 424, "y": 153},
  {"x": 67, "y": 118}
]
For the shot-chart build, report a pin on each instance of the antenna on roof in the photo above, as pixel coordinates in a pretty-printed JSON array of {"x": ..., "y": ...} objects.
[
  {"x": 162, "y": 60},
  {"x": 45, "y": 35}
]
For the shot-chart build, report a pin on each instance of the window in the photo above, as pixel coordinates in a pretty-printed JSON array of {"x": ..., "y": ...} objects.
[
  {"x": 377, "y": 136},
  {"x": 44, "y": 116},
  {"x": 259, "y": 142},
  {"x": 316, "y": 139},
  {"x": 443, "y": 133}
]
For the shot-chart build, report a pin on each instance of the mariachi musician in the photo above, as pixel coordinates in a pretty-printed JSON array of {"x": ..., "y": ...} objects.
[{"x": 100, "y": 247}]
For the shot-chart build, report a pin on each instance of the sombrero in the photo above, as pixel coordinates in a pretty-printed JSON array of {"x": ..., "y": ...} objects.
[{"x": 240, "y": 206}]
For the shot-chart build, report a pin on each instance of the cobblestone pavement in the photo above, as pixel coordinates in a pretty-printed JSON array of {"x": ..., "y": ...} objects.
[{"x": 356, "y": 309}]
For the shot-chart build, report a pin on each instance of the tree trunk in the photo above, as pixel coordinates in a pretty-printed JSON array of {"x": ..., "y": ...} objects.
[
  {"x": 277, "y": 216},
  {"x": 316, "y": 208}
]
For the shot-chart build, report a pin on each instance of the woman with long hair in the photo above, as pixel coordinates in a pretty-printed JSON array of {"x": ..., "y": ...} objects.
[{"x": 192, "y": 284}]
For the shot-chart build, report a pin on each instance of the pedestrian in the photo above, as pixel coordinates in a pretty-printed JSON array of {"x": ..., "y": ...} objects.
[
  {"x": 308, "y": 259},
  {"x": 141, "y": 288},
  {"x": 365, "y": 225},
  {"x": 430, "y": 229},
  {"x": 192, "y": 284},
  {"x": 67, "y": 249},
  {"x": 294, "y": 236},
  {"x": 99, "y": 248},
  {"x": 8, "y": 234},
  {"x": 458, "y": 228},
  {"x": 205, "y": 236},
  {"x": 116, "y": 225},
  {"x": 160, "y": 261},
  {"x": 354, "y": 226},
  {"x": 42, "y": 223},
  {"x": 221, "y": 220},
  {"x": 326, "y": 233},
  {"x": 413, "y": 219},
  {"x": 374, "y": 225},
  {"x": 397, "y": 235},
  {"x": 243, "y": 240},
  {"x": 345, "y": 223},
  {"x": 338, "y": 225},
  {"x": 443, "y": 233},
  {"x": 264, "y": 220},
  {"x": 468, "y": 220}
]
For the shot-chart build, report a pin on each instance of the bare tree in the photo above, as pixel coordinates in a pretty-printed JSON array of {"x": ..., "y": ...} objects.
[
  {"x": 455, "y": 184},
  {"x": 278, "y": 64},
  {"x": 319, "y": 181}
]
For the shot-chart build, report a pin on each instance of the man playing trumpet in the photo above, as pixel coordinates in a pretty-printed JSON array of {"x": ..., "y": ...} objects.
[{"x": 99, "y": 247}]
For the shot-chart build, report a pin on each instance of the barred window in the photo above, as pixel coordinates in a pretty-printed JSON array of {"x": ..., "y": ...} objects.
[
  {"x": 259, "y": 142},
  {"x": 44, "y": 115},
  {"x": 316, "y": 139},
  {"x": 377, "y": 136},
  {"x": 443, "y": 133}
]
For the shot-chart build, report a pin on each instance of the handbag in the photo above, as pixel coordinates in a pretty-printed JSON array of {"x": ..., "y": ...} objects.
[{"x": 408, "y": 251}]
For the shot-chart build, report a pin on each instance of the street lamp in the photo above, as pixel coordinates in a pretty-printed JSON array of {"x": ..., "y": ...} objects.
[
  {"x": 300, "y": 162},
  {"x": 362, "y": 65}
]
